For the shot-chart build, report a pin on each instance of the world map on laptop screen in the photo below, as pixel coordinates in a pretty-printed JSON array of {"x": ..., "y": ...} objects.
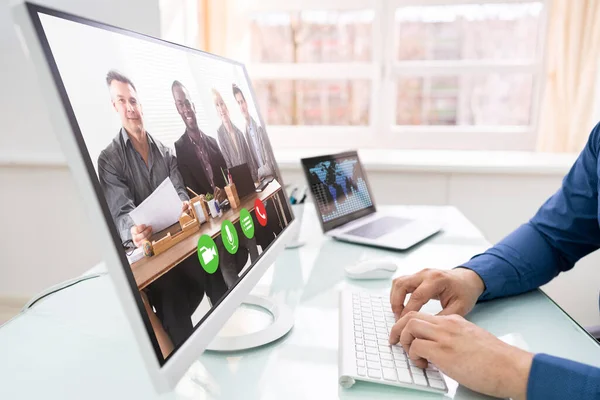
[{"x": 338, "y": 187}]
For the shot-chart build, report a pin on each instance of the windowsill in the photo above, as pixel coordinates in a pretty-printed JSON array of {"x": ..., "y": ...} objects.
[
  {"x": 426, "y": 161},
  {"x": 442, "y": 161}
]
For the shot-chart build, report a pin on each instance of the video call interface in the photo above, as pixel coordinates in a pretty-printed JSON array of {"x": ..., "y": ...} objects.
[
  {"x": 338, "y": 187},
  {"x": 183, "y": 162}
]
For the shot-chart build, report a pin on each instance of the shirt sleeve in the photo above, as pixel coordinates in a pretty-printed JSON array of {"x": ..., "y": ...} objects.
[
  {"x": 563, "y": 230},
  {"x": 553, "y": 378},
  {"x": 175, "y": 176},
  {"x": 117, "y": 194}
]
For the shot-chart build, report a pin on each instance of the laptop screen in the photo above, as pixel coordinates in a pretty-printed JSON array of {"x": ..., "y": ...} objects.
[{"x": 339, "y": 188}]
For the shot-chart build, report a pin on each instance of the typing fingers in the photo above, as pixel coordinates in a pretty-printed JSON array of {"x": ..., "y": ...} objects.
[
  {"x": 421, "y": 351},
  {"x": 399, "y": 327},
  {"x": 400, "y": 288},
  {"x": 420, "y": 296}
]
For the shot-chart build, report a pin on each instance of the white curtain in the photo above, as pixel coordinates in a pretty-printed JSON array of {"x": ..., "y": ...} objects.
[{"x": 572, "y": 52}]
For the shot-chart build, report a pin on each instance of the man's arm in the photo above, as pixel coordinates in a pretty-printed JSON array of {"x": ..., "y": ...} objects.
[
  {"x": 557, "y": 378},
  {"x": 563, "y": 230},
  {"x": 117, "y": 194}
]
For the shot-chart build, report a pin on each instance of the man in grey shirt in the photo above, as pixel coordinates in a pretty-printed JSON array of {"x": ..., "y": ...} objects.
[
  {"x": 256, "y": 138},
  {"x": 130, "y": 168}
]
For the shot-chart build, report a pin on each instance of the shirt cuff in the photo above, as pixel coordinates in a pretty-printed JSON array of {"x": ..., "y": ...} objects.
[
  {"x": 484, "y": 265},
  {"x": 557, "y": 378}
]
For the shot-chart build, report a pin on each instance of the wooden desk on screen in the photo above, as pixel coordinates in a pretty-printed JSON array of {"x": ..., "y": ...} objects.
[{"x": 149, "y": 269}]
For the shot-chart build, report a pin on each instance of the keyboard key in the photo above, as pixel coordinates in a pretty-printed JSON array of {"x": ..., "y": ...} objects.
[
  {"x": 404, "y": 375},
  {"x": 381, "y": 330},
  {"x": 431, "y": 367},
  {"x": 369, "y": 331},
  {"x": 437, "y": 384},
  {"x": 360, "y": 356},
  {"x": 370, "y": 337},
  {"x": 434, "y": 375},
  {"x": 358, "y": 334},
  {"x": 385, "y": 349},
  {"x": 397, "y": 349},
  {"x": 378, "y": 319},
  {"x": 382, "y": 336},
  {"x": 361, "y": 371},
  {"x": 358, "y": 340},
  {"x": 358, "y": 323},
  {"x": 372, "y": 357},
  {"x": 389, "y": 375},
  {"x": 373, "y": 365},
  {"x": 383, "y": 343},
  {"x": 374, "y": 373},
  {"x": 371, "y": 350},
  {"x": 386, "y": 356},
  {"x": 399, "y": 356},
  {"x": 368, "y": 325},
  {"x": 370, "y": 343},
  {"x": 401, "y": 364},
  {"x": 360, "y": 363},
  {"x": 417, "y": 371},
  {"x": 420, "y": 380},
  {"x": 380, "y": 324},
  {"x": 387, "y": 364},
  {"x": 360, "y": 348}
]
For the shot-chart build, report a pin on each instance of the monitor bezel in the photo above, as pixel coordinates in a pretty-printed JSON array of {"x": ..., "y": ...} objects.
[
  {"x": 336, "y": 223},
  {"x": 167, "y": 372}
]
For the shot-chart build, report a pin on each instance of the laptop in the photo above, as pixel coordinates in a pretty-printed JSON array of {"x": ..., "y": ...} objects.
[
  {"x": 244, "y": 184},
  {"x": 346, "y": 210}
]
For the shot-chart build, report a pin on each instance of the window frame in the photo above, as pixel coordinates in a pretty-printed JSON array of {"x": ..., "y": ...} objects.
[{"x": 384, "y": 70}]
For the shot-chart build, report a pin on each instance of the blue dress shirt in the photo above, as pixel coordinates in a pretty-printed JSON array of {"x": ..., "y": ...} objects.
[{"x": 565, "y": 229}]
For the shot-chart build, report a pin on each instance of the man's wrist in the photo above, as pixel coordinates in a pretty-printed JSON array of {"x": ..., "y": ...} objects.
[
  {"x": 522, "y": 367},
  {"x": 473, "y": 279}
]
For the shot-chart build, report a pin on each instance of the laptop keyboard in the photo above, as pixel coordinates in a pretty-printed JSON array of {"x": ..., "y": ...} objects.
[{"x": 379, "y": 227}]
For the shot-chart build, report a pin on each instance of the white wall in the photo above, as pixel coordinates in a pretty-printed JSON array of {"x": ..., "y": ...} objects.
[{"x": 38, "y": 248}]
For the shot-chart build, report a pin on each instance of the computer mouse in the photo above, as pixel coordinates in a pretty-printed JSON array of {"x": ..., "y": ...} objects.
[{"x": 372, "y": 269}]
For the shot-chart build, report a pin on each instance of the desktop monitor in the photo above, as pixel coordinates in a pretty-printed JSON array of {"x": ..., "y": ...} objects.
[{"x": 151, "y": 130}]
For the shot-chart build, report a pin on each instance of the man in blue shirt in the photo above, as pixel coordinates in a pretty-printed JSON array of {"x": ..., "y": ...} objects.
[{"x": 565, "y": 229}]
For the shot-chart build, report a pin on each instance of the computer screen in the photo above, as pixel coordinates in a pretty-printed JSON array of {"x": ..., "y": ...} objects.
[
  {"x": 338, "y": 185},
  {"x": 161, "y": 127}
]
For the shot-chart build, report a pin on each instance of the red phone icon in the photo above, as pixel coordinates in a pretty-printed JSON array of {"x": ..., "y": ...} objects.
[{"x": 261, "y": 212}]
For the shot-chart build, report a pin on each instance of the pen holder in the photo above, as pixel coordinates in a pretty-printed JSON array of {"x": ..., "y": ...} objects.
[
  {"x": 212, "y": 207},
  {"x": 298, "y": 210},
  {"x": 200, "y": 208},
  {"x": 232, "y": 195}
]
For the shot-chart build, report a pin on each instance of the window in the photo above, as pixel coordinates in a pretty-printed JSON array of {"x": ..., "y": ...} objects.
[{"x": 435, "y": 74}]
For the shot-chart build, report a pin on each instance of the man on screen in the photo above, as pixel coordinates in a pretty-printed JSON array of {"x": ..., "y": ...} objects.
[
  {"x": 130, "y": 168},
  {"x": 231, "y": 140},
  {"x": 203, "y": 166},
  {"x": 256, "y": 138}
]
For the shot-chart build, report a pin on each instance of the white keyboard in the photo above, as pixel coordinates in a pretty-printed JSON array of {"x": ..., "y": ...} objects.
[{"x": 365, "y": 352}]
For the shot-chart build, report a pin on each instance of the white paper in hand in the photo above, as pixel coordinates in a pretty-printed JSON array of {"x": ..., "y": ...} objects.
[{"x": 160, "y": 210}]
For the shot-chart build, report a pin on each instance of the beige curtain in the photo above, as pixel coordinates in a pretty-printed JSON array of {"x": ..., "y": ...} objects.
[
  {"x": 221, "y": 27},
  {"x": 572, "y": 51}
]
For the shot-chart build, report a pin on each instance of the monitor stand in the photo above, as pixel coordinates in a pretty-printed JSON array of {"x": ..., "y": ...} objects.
[{"x": 247, "y": 329}]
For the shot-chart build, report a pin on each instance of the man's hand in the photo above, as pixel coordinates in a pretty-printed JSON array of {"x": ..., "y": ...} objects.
[
  {"x": 185, "y": 206},
  {"x": 140, "y": 233},
  {"x": 466, "y": 353},
  {"x": 457, "y": 290},
  {"x": 220, "y": 195}
]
